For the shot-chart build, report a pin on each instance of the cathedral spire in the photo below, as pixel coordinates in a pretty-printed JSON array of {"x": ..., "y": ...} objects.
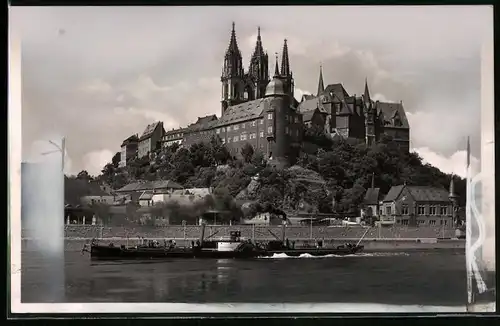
[
  {"x": 233, "y": 44},
  {"x": 259, "y": 50},
  {"x": 276, "y": 70},
  {"x": 321, "y": 85},
  {"x": 285, "y": 62}
]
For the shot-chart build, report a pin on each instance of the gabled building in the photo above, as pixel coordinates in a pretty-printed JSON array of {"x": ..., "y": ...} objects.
[
  {"x": 150, "y": 139},
  {"x": 128, "y": 149},
  {"x": 371, "y": 201},
  {"x": 418, "y": 206},
  {"x": 174, "y": 136}
]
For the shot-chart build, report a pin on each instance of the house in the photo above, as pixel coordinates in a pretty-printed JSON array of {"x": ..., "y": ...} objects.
[
  {"x": 129, "y": 149},
  {"x": 150, "y": 139},
  {"x": 174, "y": 136},
  {"x": 371, "y": 202},
  {"x": 315, "y": 118},
  {"x": 417, "y": 205}
]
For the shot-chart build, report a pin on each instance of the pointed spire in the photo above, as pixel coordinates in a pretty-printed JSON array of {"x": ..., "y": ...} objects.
[
  {"x": 259, "y": 50},
  {"x": 366, "y": 96},
  {"x": 233, "y": 44},
  {"x": 285, "y": 62},
  {"x": 373, "y": 180},
  {"x": 276, "y": 70},
  {"x": 321, "y": 85}
]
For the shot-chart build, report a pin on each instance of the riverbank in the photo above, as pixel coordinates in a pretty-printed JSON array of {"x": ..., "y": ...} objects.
[{"x": 371, "y": 244}]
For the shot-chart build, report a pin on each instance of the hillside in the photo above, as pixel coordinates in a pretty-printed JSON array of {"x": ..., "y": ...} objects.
[{"x": 336, "y": 170}]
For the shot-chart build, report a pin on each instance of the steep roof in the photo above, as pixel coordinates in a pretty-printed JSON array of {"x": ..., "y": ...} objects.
[
  {"x": 372, "y": 196},
  {"x": 308, "y": 115},
  {"x": 203, "y": 123},
  {"x": 130, "y": 139},
  {"x": 150, "y": 129},
  {"x": 244, "y": 111},
  {"x": 419, "y": 193},
  {"x": 338, "y": 90},
  {"x": 390, "y": 111},
  {"x": 146, "y": 195},
  {"x": 393, "y": 193},
  {"x": 311, "y": 105}
]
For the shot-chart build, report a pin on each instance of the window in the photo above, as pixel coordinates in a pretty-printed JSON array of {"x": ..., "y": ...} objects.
[
  {"x": 388, "y": 210},
  {"x": 444, "y": 210},
  {"x": 432, "y": 210},
  {"x": 236, "y": 127},
  {"x": 381, "y": 212},
  {"x": 228, "y": 140},
  {"x": 286, "y": 118},
  {"x": 420, "y": 210},
  {"x": 432, "y": 222},
  {"x": 404, "y": 222},
  {"x": 223, "y": 140},
  {"x": 286, "y": 130},
  {"x": 228, "y": 128},
  {"x": 243, "y": 137},
  {"x": 243, "y": 125},
  {"x": 296, "y": 119},
  {"x": 404, "y": 209},
  {"x": 269, "y": 116},
  {"x": 223, "y": 129},
  {"x": 254, "y": 123},
  {"x": 443, "y": 222},
  {"x": 235, "y": 139},
  {"x": 269, "y": 130},
  {"x": 261, "y": 121},
  {"x": 261, "y": 134}
]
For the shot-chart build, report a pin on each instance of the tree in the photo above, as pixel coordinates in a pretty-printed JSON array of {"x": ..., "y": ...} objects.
[
  {"x": 84, "y": 175},
  {"x": 247, "y": 152}
]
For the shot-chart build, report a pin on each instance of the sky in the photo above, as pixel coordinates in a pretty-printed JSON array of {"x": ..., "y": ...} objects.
[{"x": 100, "y": 74}]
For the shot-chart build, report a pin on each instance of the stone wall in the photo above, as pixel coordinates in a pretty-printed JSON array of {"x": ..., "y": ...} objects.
[{"x": 257, "y": 232}]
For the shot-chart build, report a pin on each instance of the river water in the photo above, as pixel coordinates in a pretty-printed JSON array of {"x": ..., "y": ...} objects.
[{"x": 411, "y": 278}]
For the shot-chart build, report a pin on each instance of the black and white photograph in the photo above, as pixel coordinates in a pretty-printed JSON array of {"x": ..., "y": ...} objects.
[{"x": 182, "y": 159}]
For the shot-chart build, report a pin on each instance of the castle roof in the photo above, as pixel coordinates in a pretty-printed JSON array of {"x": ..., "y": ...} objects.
[
  {"x": 130, "y": 139},
  {"x": 275, "y": 87},
  {"x": 203, "y": 123},
  {"x": 244, "y": 111},
  {"x": 390, "y": 112},
  {"x": 150, "y": 129}
]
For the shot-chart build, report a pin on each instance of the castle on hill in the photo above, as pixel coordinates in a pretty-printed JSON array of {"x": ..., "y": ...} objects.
[{"x": 263, "y": 112}]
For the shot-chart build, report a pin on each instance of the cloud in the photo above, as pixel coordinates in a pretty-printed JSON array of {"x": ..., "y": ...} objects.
[
  {"x": 456, "y": 163},
  {"x": 115, "y": 70},
  {"x": 96, "y": 160}
]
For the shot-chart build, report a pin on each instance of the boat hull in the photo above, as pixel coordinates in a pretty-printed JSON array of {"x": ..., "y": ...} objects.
[{"x": 119, "y": 253}]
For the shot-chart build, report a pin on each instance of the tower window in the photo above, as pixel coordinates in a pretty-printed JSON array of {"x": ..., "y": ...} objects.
[
  {"x": 254, "y": 123},
  {"x": 269, "y": 116},
  {"x": 261, "y": 121},
  {"x": 261, "y": 134},
  {"x": 269, "y": 130}
]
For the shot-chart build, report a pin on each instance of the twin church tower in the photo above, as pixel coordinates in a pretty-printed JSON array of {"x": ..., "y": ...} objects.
[{"x": 239, "y": 86}]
